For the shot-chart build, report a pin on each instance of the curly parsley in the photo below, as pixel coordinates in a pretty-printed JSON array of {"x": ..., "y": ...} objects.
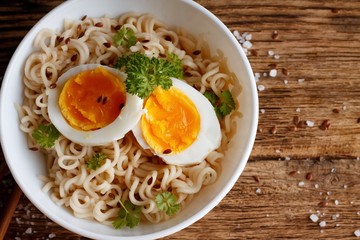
[
  {"x": 129, "y": 215},
  {"x": 223, "y": 105},
  {"x": 46, "y": 135},
  {"x": 144, "y": 74},
  {"x": 96, "y": 161},
  {"x": 125, "y": 37},
  {"x": 166, "y": 201}
]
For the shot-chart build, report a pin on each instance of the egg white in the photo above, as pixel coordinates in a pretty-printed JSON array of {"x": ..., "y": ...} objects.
[
  {"x": 127, "y": 119},
  {"x": 208, "y": 139}
]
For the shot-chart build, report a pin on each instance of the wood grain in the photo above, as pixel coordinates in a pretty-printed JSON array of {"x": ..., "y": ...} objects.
[{"x": 318, "y": 41}]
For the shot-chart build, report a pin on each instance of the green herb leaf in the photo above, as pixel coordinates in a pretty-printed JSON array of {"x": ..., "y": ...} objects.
[
  {"x": 129, "y": 215},
  {"x": 125, "y": 37},
  {"x": 144, "y": 74},
  {"x": 166, "y": 201},
  {"x": 96, "y": 161},
  {"x": 222, "y": 106},
  {"x": 46, "y": 135}
]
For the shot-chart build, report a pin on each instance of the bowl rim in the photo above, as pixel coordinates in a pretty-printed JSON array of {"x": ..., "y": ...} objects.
[{"x": 202, "y": 212}]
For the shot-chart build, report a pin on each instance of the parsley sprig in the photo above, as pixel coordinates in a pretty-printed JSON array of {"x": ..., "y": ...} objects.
[
  {"x": 96, "y": 161},
  {"x": 125, "y": 37},
  {"x": 46, "y": 135},
  {"x": 144, "y": 74},
  {"x": 129, "y": 215},
  {"x": 166, "y": 201},
  {"x": 223, "y": 105}
]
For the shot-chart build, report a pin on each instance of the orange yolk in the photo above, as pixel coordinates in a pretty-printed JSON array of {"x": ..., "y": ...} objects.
[
  {"x": 171, "y": 123},
  {"x": 92, "y": 99}
]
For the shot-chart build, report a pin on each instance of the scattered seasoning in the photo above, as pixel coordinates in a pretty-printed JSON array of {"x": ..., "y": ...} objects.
[
  {"x": 357, "y": 233},
  {"x": 52, "y": 86},
  {"x": 188, "y": 74},
  {"x": 298, "y": 110},
  {"x": 273, "y": 130},
  {"x": 254, "y": 52},
  {"x": 275, "y": 35},
  {"x": 256, "y": 178},
  {"x": 322, "y": 204},
  {"x": 260, "y": 130},
  {"x": 84, "y": 17},
  {"x": 262, "y": 111},
  {"x": 336, "y": 202},
  {"x": 316, "y": 186},
  {"x": 325, "y": 125},
  {"x": 301, "y": 184},
  {"x": 258, "y": 191},
  {"x": 99, "y": 24},
  {"x": 309, "y": 123},
  {"x": 197, "y": 52},
  {"x": 167, "y": 151},
  {"x": 285, "y": 81},
  {"x": 309, "y": 176},
  {"x": 301, "y": 80},
  {"x": 52, "y": 235},
  {"x": 287, "y": 158},
  {"x": 74, "y": 57},
  {"x": 322, "y": 224},
  {"x": 107, "y": 44},
  {"x": 314, "y": 217},
  {"x": 292, "y": 173},
  {"x": 285, "y": 72},
  {"x": 336, "y": 110}
]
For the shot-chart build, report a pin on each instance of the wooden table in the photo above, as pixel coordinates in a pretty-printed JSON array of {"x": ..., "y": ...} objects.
[{"x": 306, "y": 156}]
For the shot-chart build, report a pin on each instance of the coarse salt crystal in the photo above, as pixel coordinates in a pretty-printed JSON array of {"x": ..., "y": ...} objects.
[
  {"x": 358, "y": 213},
  {"x": 236, "y": 34},
  {"x": 17, "y": 238},
  {"x": 262, "y": 111},
  {"x": 301, "y": 80},
  {"x": 248, "y": 37},
  {"x": 301, "y": 184},
  {"x": 298, "y": 110},
  {"x": 285, "y": 81},
  {"x": 310, "y": 123},
  {"x": 287, "y": 158},
  {"x": 336, "y": 202},
  {"x": 28, "y": 230},
  {"x": 271, "y": 53},
  {"x": 258, "y": 191},
  {"x": 257, "y": 76},
  {"x": 333, "y": 170},
  {"x": 357, "y": 233},
  {"x": 328, "y": 193},
  {"x": 247, "y": 44},
  {"x": 314, "y": 217},
  {"x": 277, "y": 151},
  {"x": 316, "y": 185},
  {"x": 334, "y": 217},
  {"x": 273, "y": 73},
  {"x": 264, "y": 74},
  {"x": 276, "y": 56},
  {"x": 322, "y": 224},
  {"x": 261, "y": 88},
  {"x": 52, "y": 235}
]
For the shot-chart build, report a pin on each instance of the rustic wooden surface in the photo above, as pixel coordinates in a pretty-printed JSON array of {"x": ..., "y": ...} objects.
[{"x": 290, "y": 174}]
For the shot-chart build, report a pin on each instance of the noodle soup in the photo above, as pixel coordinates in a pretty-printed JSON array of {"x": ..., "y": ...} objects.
[{"x": 128, "y": 174}]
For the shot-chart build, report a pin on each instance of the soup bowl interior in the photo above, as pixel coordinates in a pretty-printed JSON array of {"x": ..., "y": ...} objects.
[{"x": 26, "y": 166}]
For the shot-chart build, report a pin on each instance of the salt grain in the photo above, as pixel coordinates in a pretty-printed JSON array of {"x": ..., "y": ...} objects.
[
  {"x": 287, "y": 158},
  {"x": 262, "y": 111},
  {"x": 247, "y": 44},
  {"x": 357, "y": 233},
  {"x": 285, "y": 81},
  {"x": 28, "y": 230},
  {"x": 52, "y": 235},
  {"x": 237, "y": 34},
  {"x": 301, "y": 184},
  {"x": 298, "y": 110},
  {"x": 316, "y": 185},
  {"x": 258, "y": 191},
  {"x": 310, "y": 123},
  {"x": 322, "y": 224},
  {"x": 273, "y": 73},
  {"x": 257, "y": 76},
  {"x": 276, "y": 56},
  {"x": 271, "y": 53},
  {"x": 336, "y": 202},
  {"x": 301, "y": 80},
  {"x": 248, "y": 37},
  {"x": 314, "y": 217},
  {"x": 261, "y": 88}
]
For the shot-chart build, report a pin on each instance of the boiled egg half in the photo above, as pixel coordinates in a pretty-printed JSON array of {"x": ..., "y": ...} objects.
[
  {"x": 179, "y": 125},
  {"x": 90, "y": 105}
]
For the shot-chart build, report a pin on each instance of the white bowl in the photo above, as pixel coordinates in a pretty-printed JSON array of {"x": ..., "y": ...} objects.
[{"x": 26, "y": 165}]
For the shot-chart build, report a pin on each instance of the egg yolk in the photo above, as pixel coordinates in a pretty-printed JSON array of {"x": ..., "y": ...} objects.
[
  {"x": 171, "y": 123},
  {"x": 92, "y": 99}
]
